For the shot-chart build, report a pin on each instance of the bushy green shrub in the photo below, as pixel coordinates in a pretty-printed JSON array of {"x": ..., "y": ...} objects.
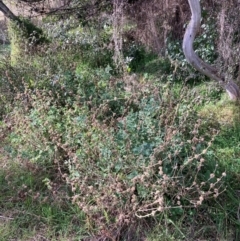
[
  {"x": 24, "y": 37},
  {"x": 91, "y": 44}
]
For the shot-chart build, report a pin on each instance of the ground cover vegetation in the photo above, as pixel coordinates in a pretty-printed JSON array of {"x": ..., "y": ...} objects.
[{"x": 106, "y": 133}]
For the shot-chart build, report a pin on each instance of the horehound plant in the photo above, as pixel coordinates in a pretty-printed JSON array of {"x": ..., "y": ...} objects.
[
  {"x": 147, "y": 158},
  {"x": 148, "y": 166}
]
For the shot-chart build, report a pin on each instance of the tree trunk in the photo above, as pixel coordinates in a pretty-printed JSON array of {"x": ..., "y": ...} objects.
[
  {"x": 7, "y": 12},
  {"x": 206, "y": 69}
]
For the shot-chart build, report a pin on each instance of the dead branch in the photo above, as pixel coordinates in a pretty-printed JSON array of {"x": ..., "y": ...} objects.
[{"x": 203, "y": 67}]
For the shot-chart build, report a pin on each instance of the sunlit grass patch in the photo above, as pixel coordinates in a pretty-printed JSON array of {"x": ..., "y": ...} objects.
[{"x": 224, "y": 112}]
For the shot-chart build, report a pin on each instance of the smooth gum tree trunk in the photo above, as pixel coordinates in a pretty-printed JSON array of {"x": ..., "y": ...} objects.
[
  {"x": 7, "y": 12},
  {"x": 206, "y": 69}
]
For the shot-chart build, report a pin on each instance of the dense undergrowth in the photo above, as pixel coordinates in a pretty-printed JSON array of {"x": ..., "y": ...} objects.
[{"x": 92, "y": 153}]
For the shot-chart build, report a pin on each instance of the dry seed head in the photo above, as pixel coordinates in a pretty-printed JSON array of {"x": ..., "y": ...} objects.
[
  {"x": 195, "y": 132},
  {"x": 127, "y": 221},
  {"x": 160, "y": 208},
  {"x": 174, "y": 132},
  {"x": 196, "y": 156},
  {"x": 199, "y": 121},
  {"x": 161, "y": 201},
  {"x": 212, "y": 175},
  {"x": 134, "y": 199},
  {"x": 194, "y": 140},
  {"x": 196, "y": 126},
  {"x": 160, "y": 162},
  {"x": 74, "y": 189},
  {"x": 146, "y": 174},
  {"x": 160, "y": 171},
  {"x": 176, "y": 152},
  {"x": 36, "y": 196},
  {"x": 165, "y": 177}
]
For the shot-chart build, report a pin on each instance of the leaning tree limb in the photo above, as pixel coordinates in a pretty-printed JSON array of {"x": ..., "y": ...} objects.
[
  {"x": 7, "y": 12},
  {"x": 203, "y": 67}
]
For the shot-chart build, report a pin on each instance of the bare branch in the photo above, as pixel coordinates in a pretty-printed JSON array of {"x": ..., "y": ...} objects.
[
  {"x": 203, "y": 67},
  {"x": 7, "y": 12}
]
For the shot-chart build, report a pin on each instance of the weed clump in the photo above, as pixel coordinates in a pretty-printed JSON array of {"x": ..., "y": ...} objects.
[{"x": 125, "y": 156}]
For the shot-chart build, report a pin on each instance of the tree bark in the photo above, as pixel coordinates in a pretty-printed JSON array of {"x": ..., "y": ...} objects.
[
  {"x": 204, "y": 68},
  {"x": 7, "y": 12}
]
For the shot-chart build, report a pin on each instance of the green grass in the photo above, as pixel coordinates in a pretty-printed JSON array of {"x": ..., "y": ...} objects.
[
  {"x": 226, "y": 152},
  {"x": 4, "y": 51},
  {"x": 29, "y": 210}
]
